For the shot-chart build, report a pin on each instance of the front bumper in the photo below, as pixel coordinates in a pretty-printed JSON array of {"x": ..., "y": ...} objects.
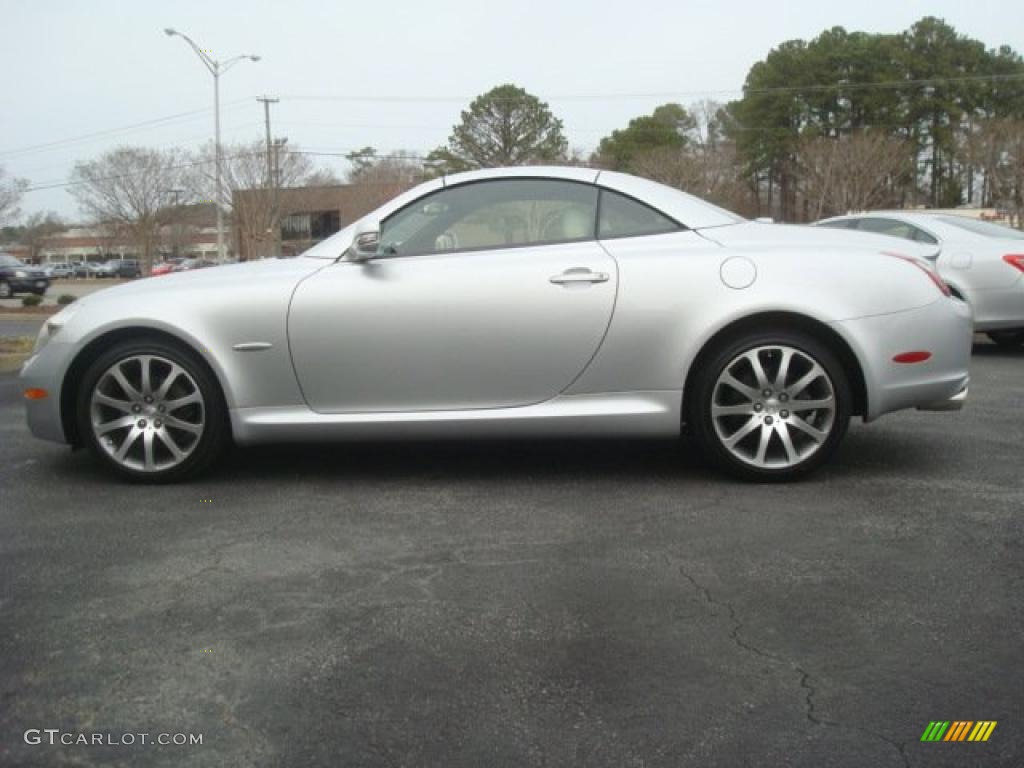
[
  {"x": 46, "y": 370},
  {"x": 29, "y": 284}
]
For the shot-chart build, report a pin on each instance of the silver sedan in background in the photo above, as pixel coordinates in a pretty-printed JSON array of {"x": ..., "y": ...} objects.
[
  {"x": 983, "y": 263},
  {"x": 540, "y": 302}
]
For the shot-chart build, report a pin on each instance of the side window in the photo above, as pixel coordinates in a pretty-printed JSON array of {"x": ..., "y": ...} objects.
[
  {"x": 620, "y": 216},
  {"x": 503, "y": 213},
  {"x": 838, "y": 224},
  {"x": 893, "y": 228}
]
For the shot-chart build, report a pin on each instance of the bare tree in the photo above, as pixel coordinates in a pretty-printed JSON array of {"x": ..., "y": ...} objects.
[
  {"x": 38, "y": 227},
  {"x": 377, "y": 178},
  {"x": 855, "y": 172},
  {"x": 11, "y": 191},
  {"x": 997, "y": 148},
  {"x": 257, "y": 210},
  {"x": 125, "y": 190}
]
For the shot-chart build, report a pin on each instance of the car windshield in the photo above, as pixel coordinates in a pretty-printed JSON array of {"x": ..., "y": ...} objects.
[
  {"x": 9, "y": 261},
  {"x": 985, "y": 228}
]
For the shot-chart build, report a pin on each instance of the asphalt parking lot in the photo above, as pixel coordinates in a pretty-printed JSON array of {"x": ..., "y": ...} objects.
[{"x": 512, "y": 604}]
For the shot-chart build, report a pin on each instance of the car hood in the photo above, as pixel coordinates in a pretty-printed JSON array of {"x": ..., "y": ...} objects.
[
  {"x": 227, "y": 277},
  {"x": 755, "y": 233}
]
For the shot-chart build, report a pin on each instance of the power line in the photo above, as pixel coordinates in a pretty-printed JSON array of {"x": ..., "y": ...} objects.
[
  {"x": 154, "y": 123},
  {"x": 669, "y": 94}
]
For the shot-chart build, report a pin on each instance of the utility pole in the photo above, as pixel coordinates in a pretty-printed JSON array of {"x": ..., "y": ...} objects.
[{"x": 271, "y": 185}]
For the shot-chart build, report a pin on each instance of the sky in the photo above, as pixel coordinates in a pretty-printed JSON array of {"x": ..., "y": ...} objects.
[{"x": 79, "y": 77}]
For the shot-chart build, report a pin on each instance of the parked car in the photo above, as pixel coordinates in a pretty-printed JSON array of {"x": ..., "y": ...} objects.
[
  {"x": 540, "y": 302},
  {"x": 189, "y": 264},
  {"x": 119, "y": 268},
  {"x": 60, "y": 271},
  {"x": 86, "y": 269},
  {"x": 17, "y": 277},
  {"x": 983, "y": 263},
  {"x": 165, "y": 267},
  {"x": 105, "y": 269}
]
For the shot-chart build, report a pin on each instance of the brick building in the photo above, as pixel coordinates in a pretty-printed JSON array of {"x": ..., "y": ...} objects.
[{"x": 308, "y": 215}]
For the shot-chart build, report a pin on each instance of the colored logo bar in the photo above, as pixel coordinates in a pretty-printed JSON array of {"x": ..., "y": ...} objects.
[{"x": 958, "y": 730}]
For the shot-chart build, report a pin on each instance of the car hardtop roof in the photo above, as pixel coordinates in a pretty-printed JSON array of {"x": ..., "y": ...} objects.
[{"x": 685, "y": 208}]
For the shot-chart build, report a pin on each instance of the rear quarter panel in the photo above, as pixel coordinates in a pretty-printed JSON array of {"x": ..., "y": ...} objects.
[{"x": 672, "y": 300}]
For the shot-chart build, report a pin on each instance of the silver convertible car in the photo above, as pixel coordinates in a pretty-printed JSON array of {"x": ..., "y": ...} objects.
[
  {"x": 983, "y": 263},
  {"x": 535, "y": 302}
]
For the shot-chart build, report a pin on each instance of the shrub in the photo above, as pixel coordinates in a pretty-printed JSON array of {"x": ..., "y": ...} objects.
[
  {"x": 31, "y": 300},
  {"x": 65, "y": 298}
]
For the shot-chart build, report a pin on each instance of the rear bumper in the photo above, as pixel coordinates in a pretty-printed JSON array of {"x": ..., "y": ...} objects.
[
  {"x": 943, "y": 328},
  {"x": 955, "y": 403}
]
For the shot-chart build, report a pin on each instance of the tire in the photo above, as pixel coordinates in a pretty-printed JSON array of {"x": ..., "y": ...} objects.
[
  {"x": 177, "y": 433},
  {"x": 1007, "y": 338},
  {"x": 5, "y": 290},
  {"x": 770, "y": 437}
]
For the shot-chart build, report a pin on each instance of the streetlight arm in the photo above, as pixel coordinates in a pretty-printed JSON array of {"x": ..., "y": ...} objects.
[
  {"x": 204, "y": 57},
  {"x": 226, "y": 65}
]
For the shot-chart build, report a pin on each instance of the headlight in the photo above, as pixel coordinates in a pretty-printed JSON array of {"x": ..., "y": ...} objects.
[
  {"x": 52, "y": 327},
  {"x": 20, "y": 273}
]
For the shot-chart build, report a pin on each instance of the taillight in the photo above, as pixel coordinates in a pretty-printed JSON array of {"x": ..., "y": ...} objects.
[
  {"x": 926, "y": 268},
  {"x": 1015, "y": 260}
]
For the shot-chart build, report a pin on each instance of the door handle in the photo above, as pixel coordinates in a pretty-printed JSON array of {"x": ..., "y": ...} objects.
[{"x": 579, "y": 275}]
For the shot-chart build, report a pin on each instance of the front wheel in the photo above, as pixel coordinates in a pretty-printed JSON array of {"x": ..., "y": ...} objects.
[
  {"x": 771, "y": 406},
  {"x": 5, "y": 290},
  {"x": 152, "y": 412}
]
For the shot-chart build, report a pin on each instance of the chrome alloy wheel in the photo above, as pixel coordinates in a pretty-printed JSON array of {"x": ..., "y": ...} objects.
[
  {"x": 773, "y": 407},
  {"x": 147, "y": 413}
]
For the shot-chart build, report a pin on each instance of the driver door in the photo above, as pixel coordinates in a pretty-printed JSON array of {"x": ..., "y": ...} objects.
[{"x": 490, "y": 294}]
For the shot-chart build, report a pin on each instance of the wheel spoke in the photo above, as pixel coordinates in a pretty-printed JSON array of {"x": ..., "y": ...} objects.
[
  {"x": 112, "y": 402},
  {"x": 185, "y": 426},
  {"x": 787, "y": 442},
  {"x": 742, "y": 432},
  {"x": 780, "y": 377},
  {"x": 122, "y": 381},
  {"x": 762, "y": 446},
  {"x": 743, "y": 409},
  {"x": 812, "y": 405},
  {"x": 110, "y": 426},
  {"x": 759, "y": 374},
  {"x": 167, "y": 439},
  {"x": 172, "y": 376},
  {"x": 751, "y": 393},
  {"x": 181, "y": 402},
  {"x": 806, "y": 428},
  {"x": 804, "y": 381},
  {"x": 146, "y": 384},
  {"x": 147, "y": 450},
  {"x": 129, "y": 441}
]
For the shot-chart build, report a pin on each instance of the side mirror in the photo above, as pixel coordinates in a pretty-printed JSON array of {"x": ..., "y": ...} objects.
[{"x": 366, "y": 241}]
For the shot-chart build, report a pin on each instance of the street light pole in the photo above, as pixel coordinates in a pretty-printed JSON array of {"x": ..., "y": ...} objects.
[{"x": 217, "y": 68}]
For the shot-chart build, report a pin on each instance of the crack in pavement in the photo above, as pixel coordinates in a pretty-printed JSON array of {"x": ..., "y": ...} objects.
[{"x": 810, "y": 711}]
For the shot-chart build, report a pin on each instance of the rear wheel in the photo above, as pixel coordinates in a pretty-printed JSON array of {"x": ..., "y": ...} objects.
[
  {"x": 1007, "y": 338},
  {"x": 5, "y": 290},
  {"x": 771, "y": 406},
  {"x": 150, "y": 411}
]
